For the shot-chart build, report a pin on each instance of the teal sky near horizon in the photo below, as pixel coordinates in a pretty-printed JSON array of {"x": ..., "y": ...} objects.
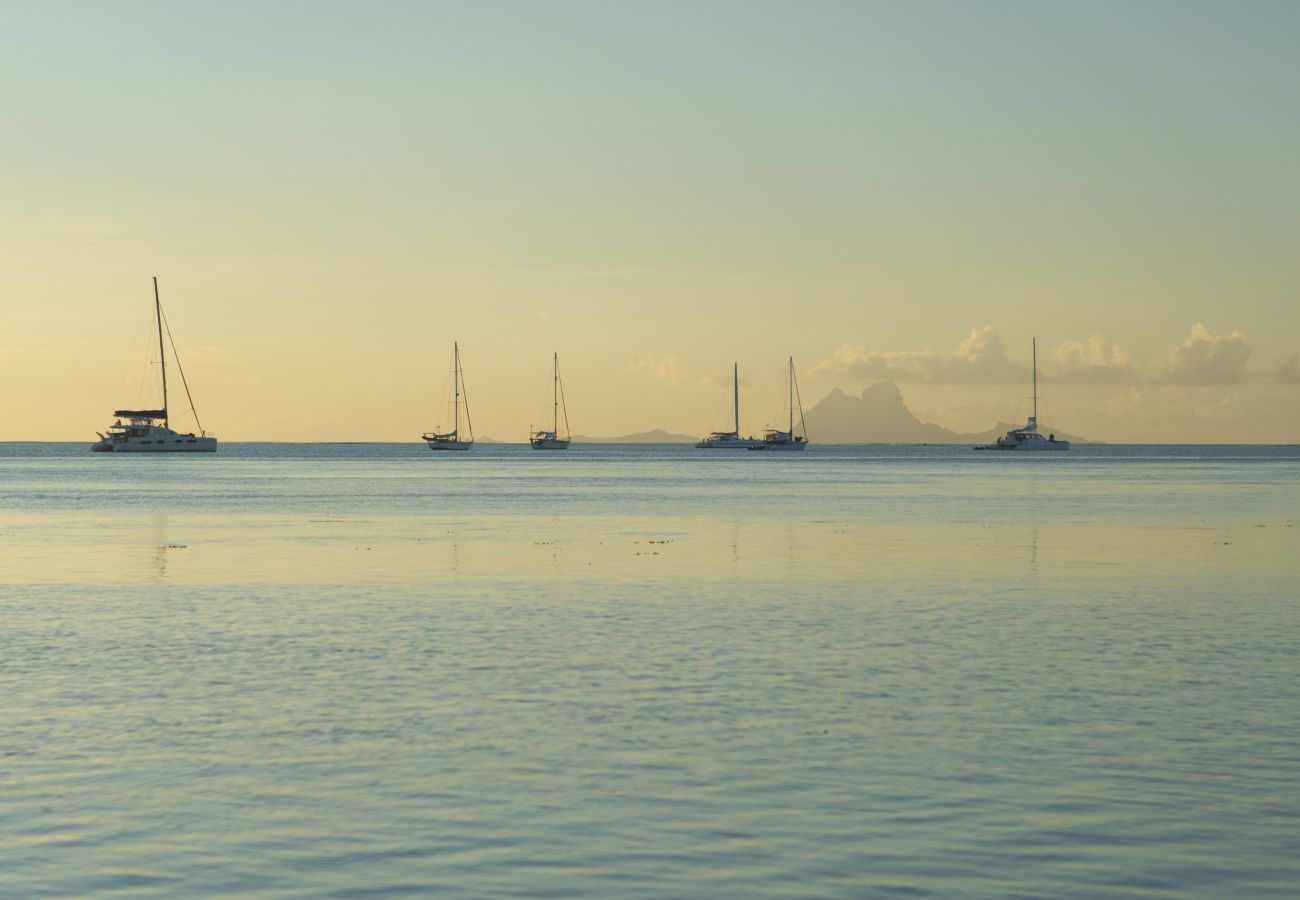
[{"x": 332, "y": 193}]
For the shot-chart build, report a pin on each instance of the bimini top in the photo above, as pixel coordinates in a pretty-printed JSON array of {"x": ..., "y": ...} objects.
[{"x": 140, "y": 413}]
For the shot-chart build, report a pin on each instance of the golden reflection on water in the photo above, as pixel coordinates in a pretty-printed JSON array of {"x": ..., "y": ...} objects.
[{"x": 60, "y": 547}]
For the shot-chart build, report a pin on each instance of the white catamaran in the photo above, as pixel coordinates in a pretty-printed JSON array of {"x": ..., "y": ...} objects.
[
  {"x": 731, "y": 440},
  {"x": 142, "y": 432},
  {"x": 775, "y": 439},
  {"x": 551, "y": 440},
  {"x": 1028, "y": 437},
  {"x": 451, "y": 440}
]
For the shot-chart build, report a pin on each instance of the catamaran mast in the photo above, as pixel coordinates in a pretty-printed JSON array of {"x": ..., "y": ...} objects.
[
  {"x": 735, "y": 387},
  {"x": 162, "y": 355},
  {"x": 1035, "y": 380}
]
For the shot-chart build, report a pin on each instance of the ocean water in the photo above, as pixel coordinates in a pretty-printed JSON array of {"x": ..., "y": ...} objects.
[{"x": 347, "y": 670}]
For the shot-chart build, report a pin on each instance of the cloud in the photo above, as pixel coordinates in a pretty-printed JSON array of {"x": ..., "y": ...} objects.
[
  {"x": 1150, "y": 402},
  {"x": 1287, "y": 371},
  {"x": 862, "y": 364},
  {"x": 1203, "y": 358},
  {"x": 1206, "y": 358},
  {"x": 722, "y": 378},
  {"x": 1094, "y": 361},
  {"x": 979, "y": 359},
  {"x": 665, "y": 368},
  {"x": 983, "y": 359},
  {"x": 1217, "y": 408},
  {"x": 1132, "y": 402}
]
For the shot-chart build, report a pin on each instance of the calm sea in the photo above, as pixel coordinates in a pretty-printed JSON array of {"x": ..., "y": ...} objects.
[{"x": 343, "y": 670}]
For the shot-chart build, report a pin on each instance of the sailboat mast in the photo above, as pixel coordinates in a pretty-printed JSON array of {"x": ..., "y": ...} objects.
[
  {"x": 1035, "y": 380},
  {"x": 795, "y": 382},
  {"x": 555, "y": 393},
  {"x": 792, "y": 398},
  {"x": 735, "y": 388},
  {"x": 455, "y": 378},
  {"x": 162, "y": 355}
]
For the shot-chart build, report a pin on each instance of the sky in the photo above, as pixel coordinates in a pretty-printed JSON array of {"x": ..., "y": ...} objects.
[{"x": 331, "y": 193}]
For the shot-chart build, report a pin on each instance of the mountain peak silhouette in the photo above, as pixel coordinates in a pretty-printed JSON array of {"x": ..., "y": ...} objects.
[{"x": 879, "y": 416}]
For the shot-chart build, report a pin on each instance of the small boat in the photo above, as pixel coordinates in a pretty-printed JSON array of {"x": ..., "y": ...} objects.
[
  {"x": 451, "y": 440},
  {"x": 731, "y": 440},
  {"x": 1028, "y": 438},
  {"x": 775, "y": 439},
  {"x": 551, "y": 440},
  {"x": 149, "y": 430}
]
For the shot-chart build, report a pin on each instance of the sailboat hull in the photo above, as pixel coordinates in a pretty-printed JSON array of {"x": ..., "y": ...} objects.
[
  {"x": 1042, "y": 445},
  {"x": 549, "y": 444},
  {"x": 729, "y": 444},
  {"x": 171, "y": 445},
  {"x": 450, "y": 445}
]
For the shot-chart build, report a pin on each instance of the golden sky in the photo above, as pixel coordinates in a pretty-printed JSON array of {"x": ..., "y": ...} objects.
[{"x": 331, "y": 193}]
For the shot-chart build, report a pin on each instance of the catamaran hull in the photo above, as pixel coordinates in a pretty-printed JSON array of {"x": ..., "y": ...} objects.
[
  {"x": 184, "y": 445},
  {"x": 782, "y": 447},
  {"x": 1027, "y": 447},
  {"x": 729, "y": 445}
]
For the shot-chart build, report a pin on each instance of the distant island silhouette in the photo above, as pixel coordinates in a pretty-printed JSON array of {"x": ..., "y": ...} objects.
[
  {"x": 654, "y": 436},
  {"x": 879, "y": 416}
]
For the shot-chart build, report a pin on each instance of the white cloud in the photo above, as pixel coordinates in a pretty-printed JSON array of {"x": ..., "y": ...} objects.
[
  {"x": 1206, "y": 358},
  {"x": 665, "y": 368},
  {"x": 862, "y": 364},
  {"x": 1094, "y": 361},
  {"x": 1203, "y": 358},
  {"x": 981, "y": 358}
]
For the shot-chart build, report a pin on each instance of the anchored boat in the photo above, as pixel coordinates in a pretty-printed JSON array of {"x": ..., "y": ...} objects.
[
  {"x": 451, "y": 440},
  {"x": 149, "y": 430},
  {"x": 775, "y": 439},
  {"x": 1028, "y": 438},
  {"x": 551, "y": 440},
  {"x": 731, "y": 440}
]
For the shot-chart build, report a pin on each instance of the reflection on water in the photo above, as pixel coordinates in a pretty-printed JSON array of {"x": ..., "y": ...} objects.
[
  {"x": 159, "y": 539},
  {"x": 864, "y": 671}
]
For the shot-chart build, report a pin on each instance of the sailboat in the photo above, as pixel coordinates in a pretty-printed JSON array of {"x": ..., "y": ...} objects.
[
  {"x": 774, "y": 439},
  {"x": 451, "y": 440},
  {"x": 731, "y": 440},
  {"x": 1028, "y": 437},
  {"x": 142, "y": 432},
  {"x": 551, "y": 440}
]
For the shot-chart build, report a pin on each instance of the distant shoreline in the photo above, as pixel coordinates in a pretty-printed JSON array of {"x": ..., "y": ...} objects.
[{"x": 609, "y": 443}]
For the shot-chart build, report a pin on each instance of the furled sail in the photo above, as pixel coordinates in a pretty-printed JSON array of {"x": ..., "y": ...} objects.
[{"x": 140, "y": 413}]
